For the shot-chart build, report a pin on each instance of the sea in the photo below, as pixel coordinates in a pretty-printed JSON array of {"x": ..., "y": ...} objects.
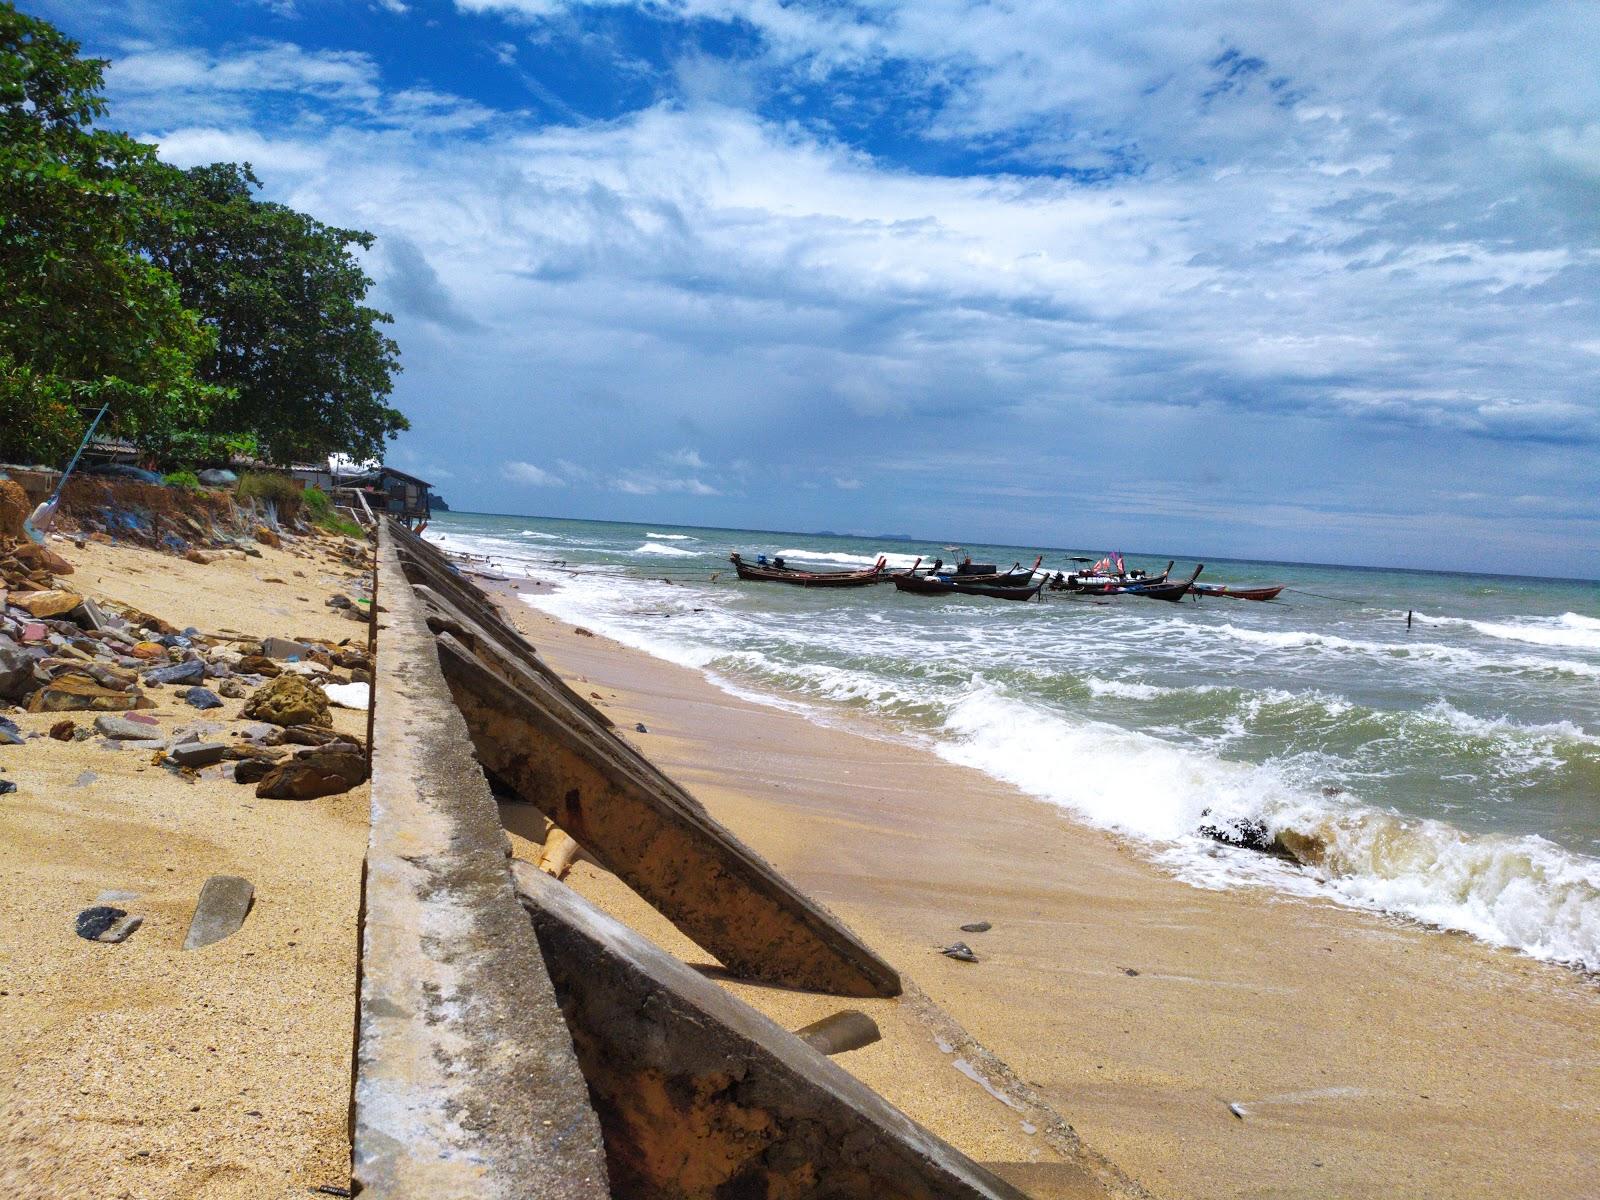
[{"x": 1428, "y": 743}]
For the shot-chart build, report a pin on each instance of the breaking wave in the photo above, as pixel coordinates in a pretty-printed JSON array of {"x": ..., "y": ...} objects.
[
  {"x": 670, "y": 537},
  {"x": 667, "y": 551}
]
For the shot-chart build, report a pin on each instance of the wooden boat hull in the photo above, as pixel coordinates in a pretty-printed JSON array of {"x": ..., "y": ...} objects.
[
  {"x": 759, "y": 574},
  {"x": 943, "y": 587},
  {"x": 1266, "y": 592},
  {"x": 1173, "y": 592},
  {"x": 1107, "y": 585}
]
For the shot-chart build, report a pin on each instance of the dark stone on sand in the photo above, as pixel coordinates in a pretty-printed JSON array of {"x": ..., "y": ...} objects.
[
  {"x": 185, "y": 672},
  {"x": 16, "y": 670},
  {"x": 639, "y": 727},
  {"x": 252, "y": 770},
  {"x": 314, "y": 773},
  {"x": 1244, "y": 833},
  {"x": 201, "y": 697},
  {"x": 959, "y": 951},
  {"x": 977, "y": 927},
  {"x": 92, "y": 922},
  {"x": 7, "y": 787},
  {"x": 197, "y": 754},
  {"x": 62, "y": 731},
  {"x": 224, "y": 903}
]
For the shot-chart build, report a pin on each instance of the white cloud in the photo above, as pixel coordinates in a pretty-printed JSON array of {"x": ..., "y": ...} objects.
[
  {"x": 685, "y": 458},
  {"x": 528, "y": 473}
]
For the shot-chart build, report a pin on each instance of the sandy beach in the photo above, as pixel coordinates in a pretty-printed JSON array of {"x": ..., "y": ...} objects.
[
  {"x": 1209, "y": 1043},
  {"x": 140, "y": 1070}
]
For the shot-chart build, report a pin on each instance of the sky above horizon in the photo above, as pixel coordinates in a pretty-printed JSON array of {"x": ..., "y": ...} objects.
[{"x": 1241, "y": 279}]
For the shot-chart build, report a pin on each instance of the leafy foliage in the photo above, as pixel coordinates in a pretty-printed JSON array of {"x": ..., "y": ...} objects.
[
  {"x": 304, "y": 359},
  {"x": 84, "y": 319},
  {"x": 187, "y": 480}
]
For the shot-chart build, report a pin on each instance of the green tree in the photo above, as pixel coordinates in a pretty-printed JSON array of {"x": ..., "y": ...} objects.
[
  {"x": 85, "y": 319},
  {"x": 305, "y": 360}
]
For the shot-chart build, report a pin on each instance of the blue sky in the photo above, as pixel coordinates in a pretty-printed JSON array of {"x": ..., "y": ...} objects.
[{"x": 1244, "y": 279}]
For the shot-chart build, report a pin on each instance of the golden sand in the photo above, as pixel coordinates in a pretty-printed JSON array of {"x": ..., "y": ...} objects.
[{"x": 141, "y": 1070}]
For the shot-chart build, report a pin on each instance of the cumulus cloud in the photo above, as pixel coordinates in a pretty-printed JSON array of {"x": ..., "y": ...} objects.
[
  {"x": 1215, "y": 233},
  {"x": 530, "y": 474}
]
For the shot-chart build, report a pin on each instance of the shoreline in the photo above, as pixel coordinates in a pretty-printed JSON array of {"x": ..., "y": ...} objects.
[{"x": 1361, "y": 1048}]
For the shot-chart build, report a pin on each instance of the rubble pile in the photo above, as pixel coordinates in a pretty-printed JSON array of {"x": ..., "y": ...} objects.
[{"x": 63, "y": 652}]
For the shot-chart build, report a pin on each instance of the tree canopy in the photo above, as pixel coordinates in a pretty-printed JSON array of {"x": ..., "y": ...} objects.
[{"x": 205, "y": 318}]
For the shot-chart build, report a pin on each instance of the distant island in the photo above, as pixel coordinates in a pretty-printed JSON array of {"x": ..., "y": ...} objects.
[{"x": 437, "y": 504}]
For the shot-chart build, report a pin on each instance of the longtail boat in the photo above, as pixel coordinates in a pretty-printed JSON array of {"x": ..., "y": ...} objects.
[
  {"x": 1016, "y": 575},
  {"x": 1238, "y": 592},
  {"x": 1161, "y": 591},
  {"x": 1106, "y": 585},
  {"x": 936, "y": 586},
  {"x": 778, "y": 574}
]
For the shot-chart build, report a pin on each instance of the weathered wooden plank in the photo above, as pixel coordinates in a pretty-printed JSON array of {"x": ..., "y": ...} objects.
[
  {"x": 466, "y": 1084},
  {"x": 699, "y": 1095},
  {"x": 631, "y": 818}
]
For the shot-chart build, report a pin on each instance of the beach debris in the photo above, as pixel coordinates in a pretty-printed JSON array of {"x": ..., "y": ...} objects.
[
  {"x": 959, "y": 951},
  {"x": 200, "y": 697},
  {"x": 92, "y": 922},
  {"x": 1128, "y": 970},
  {"x": 560, "y": 849},
  {"x": 192, "y": 671},
  {"x": 90, "y": 616},
  {"x": 62, "y": 731},
  {"x": 16, "y": 670},
  {"x": 331, "y": 1189},
  {"x": 285, "y": 650},
  {"x": 224, "y": 903},
  {"x": 289, "y": 700},
  {"x": 80, "y": 693},
  {"x": 349, "y": 695},
  {"x": 125, "y": 729},
  {"x": 638, "y": 727},
  {"x": 843, "y": 1031},
  {"x": 7, "y": 787},
  {"x": 320, "y": 771},
  {"x": 195, "y": 755},
  {"x": 1237, "y": 1110},
  {"x": 582, "y": 632},
  {"x": 977, "y": 927}
]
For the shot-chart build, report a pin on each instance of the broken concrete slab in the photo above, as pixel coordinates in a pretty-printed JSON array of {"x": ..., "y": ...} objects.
[
  {"x": 466, "y": 1084},
  {"x": 700, "y": 1095},
  {"x": 197, "y": 754},
  {"x": 640, "y": 825},
  {"x": 224, "y": 903}
]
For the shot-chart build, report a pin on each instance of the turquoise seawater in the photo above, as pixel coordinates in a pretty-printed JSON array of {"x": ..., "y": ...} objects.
[{"x": 1449, "y": 771}]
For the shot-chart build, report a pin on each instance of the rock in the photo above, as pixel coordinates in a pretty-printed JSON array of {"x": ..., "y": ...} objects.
[
  {"x": 10, "y": 735},
  {"x": 1243, "y": 832},
  {"x": 313, "y": 773},
  {"x": 847, "y": 1030},
  {"x": 289, "y": 700},
  {"x": 148, "y": 650},
  {"x": 977, "y": 927},
  {"x": 233, "y": 689},
  {"x": 361, "y": 675},
  {"x": 582, "y": 632},
  {"x": 121, "y": 929},
  {"x": 285, "y": 650},
  {"x": 338, "y": 600},
  {"x": 33, "y": 633},
  {"x": 201, "y": 697},
  {"x": 259, "y": 664},
  {"x": 197, "y": 754},
  {"x": 959, "y": 951},
  {"x": 79, "y": 693},
  {"x": 48, "y": 603},
  {"x": 7, "y": 787},
  {"x": 62, "y": 731},
  {"x": 16, "y": 670},
  {"x": 125, "y": 729},
  {"x": 349, "y": 695},
  {"x": 639, "y": 727},
  {"x": 203, "y": 557},
  {"x": 224, "y": 903},
  {"x": 92, "y": 922},
  {"x": 217, "y": 477},
  {"x": 14, "y": 509},
  {"x": 311, "y": 735},
  {"x": 252, "y": 770},
  {"x": 192, "y": 671},
  {"x": 41, "y": 558},
  {"x": 90, "y": 616},
  {"x": 267, "y": 537}
]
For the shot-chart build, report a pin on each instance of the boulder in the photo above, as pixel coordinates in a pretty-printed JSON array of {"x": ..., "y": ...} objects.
[
  {"x": 62, "y": 731},
  {"x": 41, "y": 558},
  {"x": 289, "y": 700},
  {"x": 79, "y": 693},
  {"x": 259, "y": 664},
  {"x": 51, "y": 602},
  {"x": 313, "y": 773},
  {"x": 267, "y": 537},
  {"x": 218, "y": 477}
]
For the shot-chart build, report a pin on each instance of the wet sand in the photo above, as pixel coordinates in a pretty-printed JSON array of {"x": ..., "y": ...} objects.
[
  {"x": 141, "y": 1070},
  {"x": 1369, "y": 1057}
]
